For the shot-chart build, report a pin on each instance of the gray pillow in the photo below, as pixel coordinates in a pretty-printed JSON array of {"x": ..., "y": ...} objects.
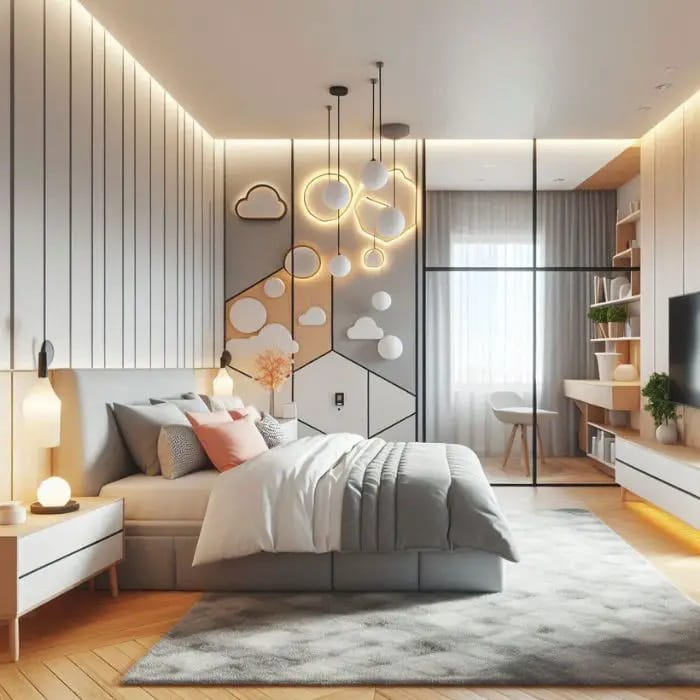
[
  {"x": 179, "y": 451},
  {"x": 186, "y": 404},
  {"x": 223, "y": 403},
  {"x": 271, "y": 430},
  {"x": 140, "y": 427}
]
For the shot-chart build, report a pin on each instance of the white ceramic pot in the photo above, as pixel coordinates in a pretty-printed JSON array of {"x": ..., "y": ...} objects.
[
  {"x": 607, "y": 361},
  {"x": 667, "y": 433},
  {"x": 625, "y": 373}
]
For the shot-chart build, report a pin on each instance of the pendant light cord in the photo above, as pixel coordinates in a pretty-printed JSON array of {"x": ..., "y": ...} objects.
[
  {"x": 394, "y": 173},
  {"x": 328, "y": 110},
  {"x": 374, "y": 84},
  {"x": 380, "y": 65},
  {"x": 338, "y": 116},
  {"x": 338, "y": 231}
]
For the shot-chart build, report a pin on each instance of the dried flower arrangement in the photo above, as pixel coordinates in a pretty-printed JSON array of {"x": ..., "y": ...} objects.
[{"x": 272, "y": 369}]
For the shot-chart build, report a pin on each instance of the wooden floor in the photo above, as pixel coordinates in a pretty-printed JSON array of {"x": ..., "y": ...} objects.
[
  {"x": 79, "y": 645},
  {"x": 553, "y": 470}
]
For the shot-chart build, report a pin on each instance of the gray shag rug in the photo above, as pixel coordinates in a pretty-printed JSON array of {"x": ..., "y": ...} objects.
[{"x": 581, "y": 608}]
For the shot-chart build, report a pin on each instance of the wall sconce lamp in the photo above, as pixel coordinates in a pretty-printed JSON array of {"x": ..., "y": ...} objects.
[
  {"x": 41, "y": 407},
  {"x": 223, "y": 382}
]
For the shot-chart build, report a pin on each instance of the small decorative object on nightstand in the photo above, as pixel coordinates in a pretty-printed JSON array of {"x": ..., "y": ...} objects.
[
  {"x": 53, "y": 497},
  {"x": 49, "y": 554}
]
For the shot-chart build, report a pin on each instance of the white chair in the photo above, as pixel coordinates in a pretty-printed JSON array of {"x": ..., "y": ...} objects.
[{"x": 510, "y": 408}]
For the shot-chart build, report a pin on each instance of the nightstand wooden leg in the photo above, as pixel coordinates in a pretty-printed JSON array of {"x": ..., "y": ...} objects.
[
  {"x": 13, "y": 628},
  {"x": 113, "y": 581}
]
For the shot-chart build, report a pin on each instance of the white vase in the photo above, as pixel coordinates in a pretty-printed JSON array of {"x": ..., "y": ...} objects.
[
  {"x": 607, "y": 361},
  {"x": 667, "y": 433},
  {"x": 625, "y": 373}
]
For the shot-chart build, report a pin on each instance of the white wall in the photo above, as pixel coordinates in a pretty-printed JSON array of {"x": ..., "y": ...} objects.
[{"x": 99, "y": 197}]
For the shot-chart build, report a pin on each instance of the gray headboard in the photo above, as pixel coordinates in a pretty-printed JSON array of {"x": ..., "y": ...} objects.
[{"x": 92, "y": 453}]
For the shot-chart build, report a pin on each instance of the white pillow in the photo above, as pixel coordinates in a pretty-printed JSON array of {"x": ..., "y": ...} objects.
[{"x": 222, "y": 403}]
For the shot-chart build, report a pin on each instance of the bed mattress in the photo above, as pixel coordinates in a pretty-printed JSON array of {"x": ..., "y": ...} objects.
[{"x": 155, "y": 498}]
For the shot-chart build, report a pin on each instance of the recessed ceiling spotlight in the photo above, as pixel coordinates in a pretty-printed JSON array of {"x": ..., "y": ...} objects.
[
  {"x": 559, "y": 179},
  {"x": 643, "y": 108},
  {"x": 661, "y": 87},
  {"x": 481, "y": 179},
  {"x": 671, "y": 69}
]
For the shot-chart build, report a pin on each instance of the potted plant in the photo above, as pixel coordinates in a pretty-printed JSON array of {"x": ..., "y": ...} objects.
[
  {"x": 272, "y": 369},
  {"x": 662, "y": 409},
  {"x": 599, "y": 316},
  {"x": 616, "y": 316}
]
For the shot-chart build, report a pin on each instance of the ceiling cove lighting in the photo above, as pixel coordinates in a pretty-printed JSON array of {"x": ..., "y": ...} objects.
[
  {"x": 374, "y": 174},
  {"x": 391, "y": 221},
  {"x": 337, "y": 193}
]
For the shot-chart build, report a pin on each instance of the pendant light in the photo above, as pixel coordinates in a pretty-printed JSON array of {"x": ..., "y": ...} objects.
[
  {"x": 374, "y": 174},
  {"x": 339, "y": 265},
  {"x": 373, "y": 257},
  {"x": 336, "y": 194},
  {"x": 391, "y": 221}
]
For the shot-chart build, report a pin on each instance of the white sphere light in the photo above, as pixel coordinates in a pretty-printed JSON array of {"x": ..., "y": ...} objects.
[
  {"x": 374, "y": 175},
  {"x": 381, "y": 301},
  {"x": 339, "y": 266},
  {"x": 390, "y": 347},
  {"x": 336, "y": 195},
  {"x": 391, "y": 222},
  {"x": 53, "y": 492},
  {"x": 373, "y": 258}
]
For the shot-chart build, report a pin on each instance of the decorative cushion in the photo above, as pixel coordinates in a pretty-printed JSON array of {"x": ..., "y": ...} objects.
[
  {"x": 140, "y": 427},
  {"x": 230, "y": 444},
  {"x": 191, "y": 403},
  {"x": 196, "y": 419},
  {"x": 221, "y": 403},
  {"x": 179, "y": 451},
  {"x": 271, "y": 430},
  {"x": 250, "y": 413}
]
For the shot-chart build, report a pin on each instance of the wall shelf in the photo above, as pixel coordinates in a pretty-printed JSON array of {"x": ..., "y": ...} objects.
[
  {"x": 616, "y": 340},
  {"x": 615, "y": 396},
  {"x": 625, "y": 300},
  {"x": 630, "y": 218}
]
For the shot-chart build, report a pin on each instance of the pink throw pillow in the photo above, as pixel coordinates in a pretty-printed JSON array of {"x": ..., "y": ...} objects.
[
  {"x": 250, "y": 413},
  {"x": 212, "y": 418},
  {"x": 229, "y": 444}
]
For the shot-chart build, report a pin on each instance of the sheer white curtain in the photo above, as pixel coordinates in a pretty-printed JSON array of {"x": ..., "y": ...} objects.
[{"x": 479, "y": 324}]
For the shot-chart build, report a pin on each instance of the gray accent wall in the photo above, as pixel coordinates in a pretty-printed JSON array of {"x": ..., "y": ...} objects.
[{"x": 256, "y": 249}]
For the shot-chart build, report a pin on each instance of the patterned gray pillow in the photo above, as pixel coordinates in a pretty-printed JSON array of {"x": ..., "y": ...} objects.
[
  {"x": 271, "y": 430},
  {"x": 179, "y": 451}
]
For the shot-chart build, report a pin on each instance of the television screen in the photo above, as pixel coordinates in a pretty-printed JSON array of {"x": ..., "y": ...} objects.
[{"x": 684, "y": 348}]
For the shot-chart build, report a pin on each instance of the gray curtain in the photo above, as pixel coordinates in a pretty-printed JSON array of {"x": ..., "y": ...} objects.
[{"x": 494, "y": 229}]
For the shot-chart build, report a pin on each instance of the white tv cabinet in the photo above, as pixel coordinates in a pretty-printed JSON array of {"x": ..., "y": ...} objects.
[{"x": 666, "y": 475}]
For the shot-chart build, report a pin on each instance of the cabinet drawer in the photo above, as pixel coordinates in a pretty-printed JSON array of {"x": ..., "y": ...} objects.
[
  {"x": 48, "y": 582},
  {"x": 52, "y": 543}
]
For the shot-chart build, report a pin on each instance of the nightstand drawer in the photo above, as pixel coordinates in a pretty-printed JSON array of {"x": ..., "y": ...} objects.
[
  {"x": 67, "y": 536},
  {"x": 51, "y": 580}
]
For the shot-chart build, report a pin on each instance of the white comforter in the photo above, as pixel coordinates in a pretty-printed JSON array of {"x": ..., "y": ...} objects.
[{"x": 289, "y": 499}]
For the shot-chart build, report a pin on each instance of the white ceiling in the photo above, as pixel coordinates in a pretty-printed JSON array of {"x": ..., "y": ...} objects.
[
  {"x": 454, "y": 68},
  {"x": 507, "y": 164}
]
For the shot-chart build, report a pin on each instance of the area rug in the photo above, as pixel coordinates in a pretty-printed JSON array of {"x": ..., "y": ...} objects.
[{"x": 581, "y": 608}]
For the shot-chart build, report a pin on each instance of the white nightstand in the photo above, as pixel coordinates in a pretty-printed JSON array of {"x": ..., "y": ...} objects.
[
  {"x": 50, "y": 554},
  {"x": 289, "y": 428}
]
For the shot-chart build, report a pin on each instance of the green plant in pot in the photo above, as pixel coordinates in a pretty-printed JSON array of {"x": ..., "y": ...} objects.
[
  {"x": 662, "y": 409},
  {"x": 616, "y": 317},
  {"x": 599, "y": 316}
]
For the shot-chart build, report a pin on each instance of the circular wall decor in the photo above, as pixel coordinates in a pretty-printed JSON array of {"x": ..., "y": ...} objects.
[
  {"x": 274, "y": 287},
  {"x": 247, "y": 315},
  {"x": 373, "y": 258},
  {"x": 390, "y": 347},
  {"x": 381, "y": 301},
  {"x": 306, "y": 261},
  {"x": 314, "y": 198}
]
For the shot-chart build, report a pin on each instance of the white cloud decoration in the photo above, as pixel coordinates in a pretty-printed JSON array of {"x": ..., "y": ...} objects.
[
  {"x": 274, "y": 335},
  {"x": 313, "y": 316},
  {"x": 261, "y": 202},
  {"x": 365, "y": 328}
]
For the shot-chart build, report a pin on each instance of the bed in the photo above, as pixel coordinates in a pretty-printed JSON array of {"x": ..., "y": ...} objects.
[{"x": 163, "y": 518}]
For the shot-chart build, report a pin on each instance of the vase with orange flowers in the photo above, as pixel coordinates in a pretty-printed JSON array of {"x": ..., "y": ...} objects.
[{"x": 272, "y": 369}]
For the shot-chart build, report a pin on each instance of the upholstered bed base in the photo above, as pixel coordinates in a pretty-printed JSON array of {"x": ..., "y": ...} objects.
[{"x": 164, "y": 562}]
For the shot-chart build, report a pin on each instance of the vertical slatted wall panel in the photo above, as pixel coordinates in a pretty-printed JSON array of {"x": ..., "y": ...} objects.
[
  {"x": 171, "y": 233},
  {"x": 5, "y": 166},
  {"x": 188, "y": 257},
  {"x": 197, "y": 247},
  {"x": 180, "y": 238},
  {"x": 129, "y": 210},
  {"x": 218, "y": 271}
]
